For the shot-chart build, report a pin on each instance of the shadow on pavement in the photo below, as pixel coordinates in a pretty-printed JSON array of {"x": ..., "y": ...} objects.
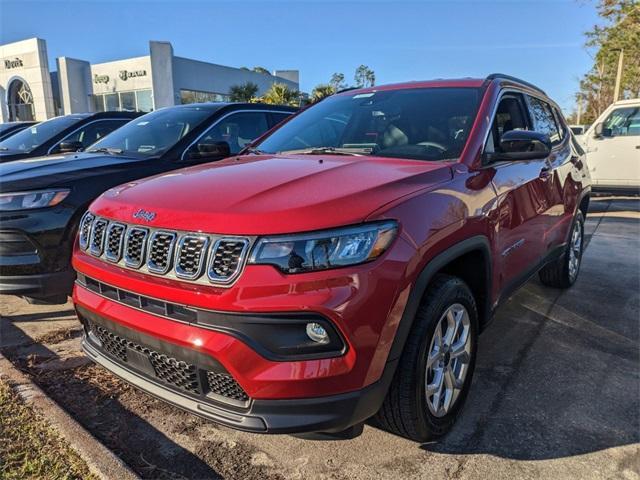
[
  {"x": 92, "y": 396},
  {"x": 558, "y": 372}
]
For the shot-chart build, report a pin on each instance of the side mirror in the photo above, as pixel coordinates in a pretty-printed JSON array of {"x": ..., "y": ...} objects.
[
  {"x": 522, "y": 145},
  {"x": 66, "y": 147},
  {"x": 212, "y": 150},
  {"x": 597, "y": 130}
]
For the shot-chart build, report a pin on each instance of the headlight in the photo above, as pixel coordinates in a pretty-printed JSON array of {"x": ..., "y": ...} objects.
[
  {"x": 327, "y": 249},
  {"x": 29, "y": 200}
]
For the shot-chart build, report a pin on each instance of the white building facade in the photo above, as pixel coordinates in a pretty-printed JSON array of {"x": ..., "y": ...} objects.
[{"x": 29, "y": 91}]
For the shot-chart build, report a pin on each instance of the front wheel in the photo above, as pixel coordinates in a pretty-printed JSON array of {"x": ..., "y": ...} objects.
[
  {"x": 436, "y": 366},
  {"x": 563, "y": 272}
]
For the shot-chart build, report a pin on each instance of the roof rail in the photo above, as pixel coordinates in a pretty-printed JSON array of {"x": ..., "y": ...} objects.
[{"x": 493, "y": 76}]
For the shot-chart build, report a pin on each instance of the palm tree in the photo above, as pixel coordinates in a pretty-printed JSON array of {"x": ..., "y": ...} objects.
[
  {"x": 281, "y": 94},
  {"x": 243, "y": 93},
  {"x": 321, "y": 91}
]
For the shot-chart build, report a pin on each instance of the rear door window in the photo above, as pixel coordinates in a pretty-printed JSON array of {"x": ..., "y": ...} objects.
[
  {"x": 238, "y": 130},
  {"x": 93, "y": 131},
  {"x": 543, "y": 119}
]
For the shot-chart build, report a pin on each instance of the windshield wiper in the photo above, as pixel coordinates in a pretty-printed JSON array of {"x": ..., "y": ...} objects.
[
  {"x": 4, "y": 149},
  {"x": 109, "y": 150},
  {"x": 330, "y": 150}
]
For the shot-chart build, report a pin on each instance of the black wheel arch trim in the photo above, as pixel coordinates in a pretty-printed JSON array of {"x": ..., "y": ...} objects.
[{"x": 437, "y": 263}]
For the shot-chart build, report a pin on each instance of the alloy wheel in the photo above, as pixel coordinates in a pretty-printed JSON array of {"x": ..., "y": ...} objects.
[
  {"x": 575, "y": 250},
  {"x": 448, "y": 360}
]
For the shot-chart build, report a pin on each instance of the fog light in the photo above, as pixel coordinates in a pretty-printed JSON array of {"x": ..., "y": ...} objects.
[{"x": 317, "y": 333}]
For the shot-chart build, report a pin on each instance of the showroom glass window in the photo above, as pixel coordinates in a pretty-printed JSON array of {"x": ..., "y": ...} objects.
[
  {"x": 133, "y": 101},
  {"x": 623, "y": 122},
  {"x": 195, "y": 96},
  {"x": 416, "y": 123}
]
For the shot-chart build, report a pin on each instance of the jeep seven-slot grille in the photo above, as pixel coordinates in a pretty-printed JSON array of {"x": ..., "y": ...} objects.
[
  {"x": 226, "y": 258},
  {"x": 160, "y": 252},
  {"x": 191, "y": 253},
  {"x": 177, "y": 373},
  {"x": 85, "y": 229},
  {"x": 97, "y": 236},
  {"x": 115, "y": 238},
  {"x": 135, "y": 247}
]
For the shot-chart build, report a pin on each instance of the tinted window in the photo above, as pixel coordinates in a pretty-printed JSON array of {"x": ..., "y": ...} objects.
[
  {"x": 510, "y": 115},
  {"x": 94, "y": 131},
  {"x": 31, "y": 138},
  {"x": 623, "y": 122},
  {"x": 543, "y": 120},
  {"x": 238, "y": 130},
  {"x": 277, "y": 117},
  {"x": 417, "y": 123},
  {"x": 156, "y": 132}
]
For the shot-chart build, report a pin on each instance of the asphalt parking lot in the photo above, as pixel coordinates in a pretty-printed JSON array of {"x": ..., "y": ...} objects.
[{"x": 556, "y": 392}]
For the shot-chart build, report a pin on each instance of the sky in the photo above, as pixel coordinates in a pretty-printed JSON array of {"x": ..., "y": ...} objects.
[{"x": 541, "y": 41}]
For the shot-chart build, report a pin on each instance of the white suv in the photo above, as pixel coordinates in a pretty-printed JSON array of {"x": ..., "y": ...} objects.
[{"x": 612, "y": 144}]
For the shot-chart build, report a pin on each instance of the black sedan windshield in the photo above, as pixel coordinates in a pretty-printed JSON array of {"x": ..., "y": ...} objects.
[
  {"x": 415, "y": 123},
  {"x": 31, "y": 138},
  {"x": 153, "y": 133}
]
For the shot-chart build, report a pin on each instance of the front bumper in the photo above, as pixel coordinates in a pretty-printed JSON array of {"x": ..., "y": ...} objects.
[
  {"x": 35, "y": 252},
  {"x": 329, "y": 414},
  {"x": 38, "y": 285}
]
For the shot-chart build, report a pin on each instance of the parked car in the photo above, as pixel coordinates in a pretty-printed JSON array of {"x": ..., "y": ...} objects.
[
  {"x": 11, "y": 128},
  {"x": 612, "y": 144},
  {"x": 42, "y": 200},
  {"x": 344, "y": 267},
  {"x": 70, "y": 133}
]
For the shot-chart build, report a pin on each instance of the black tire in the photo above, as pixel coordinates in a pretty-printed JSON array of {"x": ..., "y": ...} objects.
[
  {"x": 405, "y": 411},
  {"x": 558, "y": 273}
]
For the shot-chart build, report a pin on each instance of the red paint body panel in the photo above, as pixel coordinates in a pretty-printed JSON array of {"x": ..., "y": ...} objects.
[{"x": 436, "y": 205}]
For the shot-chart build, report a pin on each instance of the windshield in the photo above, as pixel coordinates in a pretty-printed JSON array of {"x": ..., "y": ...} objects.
[
  {"x": 416, "y": 123},
  {"x": 31, "y": 138},
  {"x": 153, "y": 133}
]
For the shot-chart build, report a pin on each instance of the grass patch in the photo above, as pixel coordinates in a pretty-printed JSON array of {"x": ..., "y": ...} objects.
[{"x": 30, "y": 448}]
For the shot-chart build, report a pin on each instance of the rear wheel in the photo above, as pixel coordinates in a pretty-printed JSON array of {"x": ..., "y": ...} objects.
[
  {"x": 436, "y": 366},
  {"x": 563, "y": 272}
]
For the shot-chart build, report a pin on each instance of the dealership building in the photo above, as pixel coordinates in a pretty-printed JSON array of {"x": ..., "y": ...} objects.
[{"x": 30, "y": 91}]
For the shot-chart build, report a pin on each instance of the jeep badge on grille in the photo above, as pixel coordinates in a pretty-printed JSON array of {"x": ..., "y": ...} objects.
[{"x": 145, "y": 215}]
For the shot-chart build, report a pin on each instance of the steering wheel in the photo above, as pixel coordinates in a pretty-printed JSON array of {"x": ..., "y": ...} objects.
[{"x": 439, "y": 146}]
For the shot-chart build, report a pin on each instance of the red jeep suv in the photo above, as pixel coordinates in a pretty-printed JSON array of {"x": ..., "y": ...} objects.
[{"x": 344, "y": 265}]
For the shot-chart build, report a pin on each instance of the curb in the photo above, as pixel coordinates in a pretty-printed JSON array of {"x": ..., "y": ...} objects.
[{"x": 102, "y": 462}]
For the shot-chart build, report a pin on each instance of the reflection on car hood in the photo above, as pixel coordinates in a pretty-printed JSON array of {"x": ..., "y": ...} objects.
[{"x": 271, "y": 194}]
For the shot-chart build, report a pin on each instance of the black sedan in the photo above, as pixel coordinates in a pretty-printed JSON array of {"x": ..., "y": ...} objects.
[
  {"x": 42, "y": 199},
  {"x": 11, "y": 128},
  {"x": 70, "y": 133}
]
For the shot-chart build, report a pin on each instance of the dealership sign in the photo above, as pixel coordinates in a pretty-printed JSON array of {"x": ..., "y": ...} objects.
[
  {"x": 101, "y": 79},
  {"x": 13, "y": 63},
  {"x": 126, "y": 74}
]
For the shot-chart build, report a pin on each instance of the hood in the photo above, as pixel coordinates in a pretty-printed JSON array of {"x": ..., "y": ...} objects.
[
  {"x": 270, "y": 194},
  {"x": 58, "y": 170}
]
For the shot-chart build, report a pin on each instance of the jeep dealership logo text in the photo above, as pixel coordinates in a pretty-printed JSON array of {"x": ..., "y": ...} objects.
[
  {"x": 126, "y": 74},
  {"x": 13, "y": 63},
  {"x": 101, "y": 78}
]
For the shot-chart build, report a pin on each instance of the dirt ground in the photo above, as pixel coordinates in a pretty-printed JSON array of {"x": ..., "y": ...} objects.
[{"x": 556, "y": 392}]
